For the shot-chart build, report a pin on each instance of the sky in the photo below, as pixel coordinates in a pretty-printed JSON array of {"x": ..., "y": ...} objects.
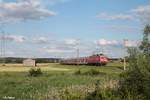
[{"x": 57, "y": 28}]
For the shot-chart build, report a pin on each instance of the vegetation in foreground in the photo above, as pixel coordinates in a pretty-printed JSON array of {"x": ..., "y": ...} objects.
[{"x": 56, "y": 83}]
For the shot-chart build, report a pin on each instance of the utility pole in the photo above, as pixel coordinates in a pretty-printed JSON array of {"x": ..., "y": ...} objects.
[
  {"x": 101, "y": 50},
  {"x": 97, "y": 49},
  {"x": 77, "y": 46},
  {"x": 77, "y": 55},
  {"x": 3, "y": 43}
]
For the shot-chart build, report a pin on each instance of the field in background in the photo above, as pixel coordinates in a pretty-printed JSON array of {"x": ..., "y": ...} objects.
[
  {"x": 58, "y": 67},
  {"x": 16, "y": 82},
  {"x": 22, "y": 68}
]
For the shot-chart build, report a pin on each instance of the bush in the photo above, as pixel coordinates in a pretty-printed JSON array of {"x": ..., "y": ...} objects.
[
  {"x": 78, "y": 72},
  {"x": 102, "y": 93},
  {"x": 94, "y": 72},
  {"x": 68, "y": 95},
  {"x": 132, "y": 86},
  {"x": 35, "y": 72},
  {"x": 136, "y": 81},
  {"x": 89, "y": 72}
]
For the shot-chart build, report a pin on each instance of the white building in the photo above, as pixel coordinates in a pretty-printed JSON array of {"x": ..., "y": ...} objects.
[{"x": 29, "y": 62}]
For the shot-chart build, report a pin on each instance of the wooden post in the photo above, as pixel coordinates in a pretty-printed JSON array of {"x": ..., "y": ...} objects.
[{"x": 124, "y": 62}]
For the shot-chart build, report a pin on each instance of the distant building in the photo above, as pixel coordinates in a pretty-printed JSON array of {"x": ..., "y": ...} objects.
[{"x": 29, "y": 62}]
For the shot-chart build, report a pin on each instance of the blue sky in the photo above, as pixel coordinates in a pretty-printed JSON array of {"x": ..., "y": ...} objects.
[{"x": 53, "y": 28}]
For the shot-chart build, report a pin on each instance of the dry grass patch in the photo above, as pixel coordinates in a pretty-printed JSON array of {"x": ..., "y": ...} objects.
[{"x": 21, "y": 68}]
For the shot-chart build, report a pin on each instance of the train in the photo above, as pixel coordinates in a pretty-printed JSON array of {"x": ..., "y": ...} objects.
[{"x": 97, "y": 60}]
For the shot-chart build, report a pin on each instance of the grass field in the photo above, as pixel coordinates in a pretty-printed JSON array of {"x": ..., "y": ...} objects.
[
  {"x": 16, "y": 82},
  {"x": 21, "y": 68}
]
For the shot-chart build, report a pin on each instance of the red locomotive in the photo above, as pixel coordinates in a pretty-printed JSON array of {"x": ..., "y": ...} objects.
[{"x": 97, "y": 60}]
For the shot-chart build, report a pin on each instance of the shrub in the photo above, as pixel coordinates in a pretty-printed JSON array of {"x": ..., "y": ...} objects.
[
  {"x": 102, "y": 93},
  {"x": 89, "y": 72},
  {"x": 68, "y": 95},
  {"x": 131, "y": 86},
  {"x": 94, "y": 72},
  {"x": 136, "y": 81},
  {"x": 78, "y": 72},
  {"x": 35, "y": 72}
]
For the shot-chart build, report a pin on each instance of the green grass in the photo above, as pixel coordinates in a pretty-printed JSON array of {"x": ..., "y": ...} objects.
[{"x": 18, "y": 84}]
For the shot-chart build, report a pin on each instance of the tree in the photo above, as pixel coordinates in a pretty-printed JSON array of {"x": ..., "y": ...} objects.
[
  {"x": 136, "y": 80},
  {"x": 145, "y": 45}
]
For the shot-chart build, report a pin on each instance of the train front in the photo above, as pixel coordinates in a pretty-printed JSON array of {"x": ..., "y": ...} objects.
[
  {"x": 97, "y": 60},
  {"x": 103, "y": 60}
]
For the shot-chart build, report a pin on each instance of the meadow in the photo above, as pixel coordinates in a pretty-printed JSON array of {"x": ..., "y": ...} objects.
[{"x": 55, "y": 82}]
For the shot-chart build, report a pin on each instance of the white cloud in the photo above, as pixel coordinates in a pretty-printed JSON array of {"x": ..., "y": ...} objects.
[
  {"x": 62, "y": 46},
  {"x": 105, "y": 16},
  {"x": 57, "y": 50},
  {"x": 72, "y": 42},
  {"x": 131, "y": 43},
  {"x": 41, "y": 40},
  {"x": 15, "y": 38},
  {"x": 33, "y": 2},
  {"x": 53, "y": 2},
  {"x": 105, "y": 42},
  {"x": 121, "y": 28},
  {"x": 23, "y": 10},
  {"x": 143, "y": 13}
]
